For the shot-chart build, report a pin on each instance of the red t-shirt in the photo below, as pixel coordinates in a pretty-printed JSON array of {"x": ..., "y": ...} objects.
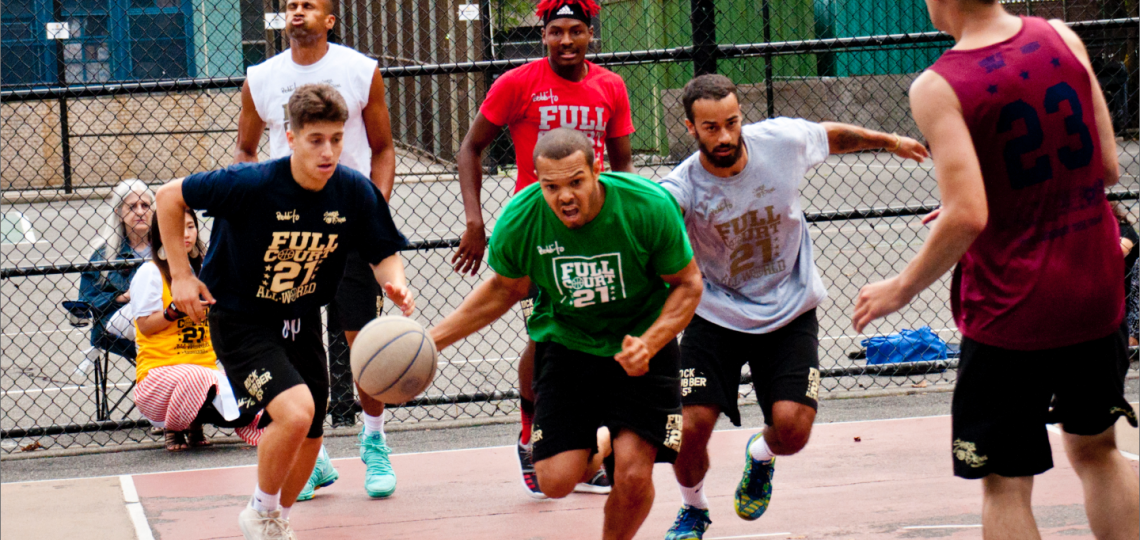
[
  {"x": 531, "y": 100},
  {"x": 1046, "y": 270}
]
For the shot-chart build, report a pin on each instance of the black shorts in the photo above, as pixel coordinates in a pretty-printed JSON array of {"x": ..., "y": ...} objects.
[
  {"x": 581, "y": 392},
  {"x": 359, "y": 299},
  {"x": 1002, "y": 402},
  {"x": 784, "y": 364},
  {"x": 526, "y": 305},
  {"x": 262, "y": 359}
]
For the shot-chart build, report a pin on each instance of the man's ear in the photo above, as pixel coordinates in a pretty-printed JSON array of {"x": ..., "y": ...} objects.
[
  {"x": 289, "y": 137},
  {"x": 692, "y": 129}
]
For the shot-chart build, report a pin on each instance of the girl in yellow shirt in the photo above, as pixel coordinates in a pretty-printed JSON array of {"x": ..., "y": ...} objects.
[{"x": 176, "y": 367}]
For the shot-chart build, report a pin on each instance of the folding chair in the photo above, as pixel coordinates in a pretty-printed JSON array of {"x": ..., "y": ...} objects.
[{"x": 80, "y": 315}]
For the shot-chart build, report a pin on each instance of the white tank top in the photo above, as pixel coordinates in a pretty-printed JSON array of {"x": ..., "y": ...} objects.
[{"x": 273, "y": 81}]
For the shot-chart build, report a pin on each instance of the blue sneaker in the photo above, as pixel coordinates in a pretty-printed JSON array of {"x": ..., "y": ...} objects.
[
  {"x": 379, "y": 479},
  {"x": 323, "y": 476},
  {"x": 691, "y": 524},
  {"x": 755, "y": 489}
]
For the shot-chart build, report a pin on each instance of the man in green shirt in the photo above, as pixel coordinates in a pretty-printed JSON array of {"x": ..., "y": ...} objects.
[{"x": 617, "y": 282}]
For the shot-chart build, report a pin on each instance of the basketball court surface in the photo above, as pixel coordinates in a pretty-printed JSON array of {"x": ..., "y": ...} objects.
[{"x": 867, "y": 479}]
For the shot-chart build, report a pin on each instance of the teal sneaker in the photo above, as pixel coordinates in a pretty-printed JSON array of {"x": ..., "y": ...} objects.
[
  {"x": 755, "y": 489},
  {"x": 323, "y": 476},
  {"x": 379, "y": 479},
  {"x": 691, "y": 524}
]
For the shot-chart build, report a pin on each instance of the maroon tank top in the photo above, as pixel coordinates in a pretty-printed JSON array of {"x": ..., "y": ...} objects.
[{"x": 1046, "y": 270}]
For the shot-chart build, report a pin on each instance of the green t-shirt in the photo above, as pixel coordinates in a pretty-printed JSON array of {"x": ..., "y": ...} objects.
[{"x": 599, "y": 282}]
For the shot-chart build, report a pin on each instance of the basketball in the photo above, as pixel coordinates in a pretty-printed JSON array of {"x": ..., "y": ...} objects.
[{"x": 393, "y": 359}]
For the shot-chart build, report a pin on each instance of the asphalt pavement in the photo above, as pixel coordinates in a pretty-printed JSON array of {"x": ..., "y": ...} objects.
[{"x": 428, "y": 437}]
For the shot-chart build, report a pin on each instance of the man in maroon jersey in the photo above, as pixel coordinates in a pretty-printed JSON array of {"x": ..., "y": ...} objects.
[
  {"x": 1023, "y": 149},
  {"x": 562, "y": 90}
]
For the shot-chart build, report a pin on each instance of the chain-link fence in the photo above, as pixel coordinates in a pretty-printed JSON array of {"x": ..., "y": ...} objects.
[{"x": 103, "y": 90}]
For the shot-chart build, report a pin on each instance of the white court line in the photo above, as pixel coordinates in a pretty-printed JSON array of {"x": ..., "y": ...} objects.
[
  {"x": 31, "y": 391},
  {"x": 838, "y": 164},
  {"x": 1056, "y": 430},
  {"x": 764, "y": 535},
  {"x": 916, "y": 527},
  {"x": 135, "y": 509},
  {"x": 57, "y": 331},
  {"x": 477, "y": 361}
]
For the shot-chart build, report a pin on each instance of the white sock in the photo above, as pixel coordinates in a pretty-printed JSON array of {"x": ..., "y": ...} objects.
[
  {"x": 372, "y": 424},
  {"x": 264, "y": 502},
  {"x": 285, "y": 510},
  {"x": 759, "y": 450},
  {"x": 695, "y": 496}
]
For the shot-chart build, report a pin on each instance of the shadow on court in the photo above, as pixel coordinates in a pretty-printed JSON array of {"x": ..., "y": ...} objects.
[{"x": 876, "y": 479}]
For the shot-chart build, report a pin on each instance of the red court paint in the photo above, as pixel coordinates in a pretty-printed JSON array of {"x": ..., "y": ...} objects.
[{"x": 898, "y": 475}]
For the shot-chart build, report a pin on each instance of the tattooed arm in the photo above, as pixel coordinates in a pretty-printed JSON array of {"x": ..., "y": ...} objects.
[{"x": 844, "y": 138}]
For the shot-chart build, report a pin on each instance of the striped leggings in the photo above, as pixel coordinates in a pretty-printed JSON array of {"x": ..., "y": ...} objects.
[{"x": 173, "y": 395}]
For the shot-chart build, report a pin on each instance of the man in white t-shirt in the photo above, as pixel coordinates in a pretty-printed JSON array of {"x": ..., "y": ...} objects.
[
  {"x": 368, "y": 148},
  {"x": 741, "y": 199}
]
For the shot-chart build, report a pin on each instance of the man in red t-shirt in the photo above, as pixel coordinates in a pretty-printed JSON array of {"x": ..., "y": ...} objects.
[
  {"x": 1023, "y": 149},
  {"x": 563, "y": 90}
]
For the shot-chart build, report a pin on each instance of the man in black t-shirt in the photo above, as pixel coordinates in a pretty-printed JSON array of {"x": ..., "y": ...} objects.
[{"x": 281, "y": 232}]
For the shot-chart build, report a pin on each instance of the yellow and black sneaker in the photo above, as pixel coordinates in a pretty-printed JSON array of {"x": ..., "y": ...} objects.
[
  {"x": 755, "y": 489},
  {"x": 691, "y": 524}
]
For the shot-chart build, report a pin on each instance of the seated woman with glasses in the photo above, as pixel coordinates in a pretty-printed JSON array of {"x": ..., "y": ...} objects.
[
  {"x": 123, "y": 236},
  {"x": 179, "y": 385}
]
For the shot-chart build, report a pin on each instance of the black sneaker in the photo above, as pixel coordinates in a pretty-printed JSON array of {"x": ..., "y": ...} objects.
[{"x": 529, "y": 477}]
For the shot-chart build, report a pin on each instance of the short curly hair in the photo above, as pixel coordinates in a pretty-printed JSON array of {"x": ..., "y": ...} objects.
[
  {"x": 709, "y": 86},
  {"x": 316, "y": 103}
]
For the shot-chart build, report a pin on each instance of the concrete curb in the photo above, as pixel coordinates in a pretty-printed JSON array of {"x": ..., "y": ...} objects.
[
  {"x": 348, "y": 431},
  {"x": 352, "y": 431},
  {"x": 50, "y": 196}
]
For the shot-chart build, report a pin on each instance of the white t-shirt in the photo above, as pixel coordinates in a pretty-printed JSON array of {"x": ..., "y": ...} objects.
[
  {"x": 748, "y": 232},
  {"x": 273, "y": 81},
  {"x": 146, "y": 291}
]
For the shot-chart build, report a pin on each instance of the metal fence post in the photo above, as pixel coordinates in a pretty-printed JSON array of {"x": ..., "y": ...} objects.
[
  {"x": 769, "y": 93},
  {"x": 703, "y": 20},
  {"x": 65, "y": 141},
  {"x": 61, "y": 80}
]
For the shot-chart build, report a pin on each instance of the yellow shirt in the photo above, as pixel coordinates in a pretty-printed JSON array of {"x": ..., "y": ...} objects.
[{"x": 183, "y": 342}]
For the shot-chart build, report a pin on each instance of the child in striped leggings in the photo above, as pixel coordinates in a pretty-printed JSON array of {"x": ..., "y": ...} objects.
[{"x": 179, "y": 385}]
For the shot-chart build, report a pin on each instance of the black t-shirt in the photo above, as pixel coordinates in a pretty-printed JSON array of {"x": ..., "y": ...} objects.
[
  {"x": 1129, "y": 232},
  {"x": 277, "y": 249}
]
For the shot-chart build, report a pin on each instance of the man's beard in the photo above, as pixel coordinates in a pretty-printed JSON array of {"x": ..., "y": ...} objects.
[
  {"x": 304, "y": 34},
  {"x": 725, "y": 161}
]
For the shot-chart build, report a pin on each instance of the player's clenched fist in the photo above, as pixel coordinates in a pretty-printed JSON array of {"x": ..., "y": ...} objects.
[
  {"x": 634, "y": 356},
  {"x": 191, "y": 297}
]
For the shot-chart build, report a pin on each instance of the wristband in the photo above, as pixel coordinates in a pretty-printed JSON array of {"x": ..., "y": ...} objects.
[
  {"x": 898, "y": 142},
  {"x": 172, "y": 314}
]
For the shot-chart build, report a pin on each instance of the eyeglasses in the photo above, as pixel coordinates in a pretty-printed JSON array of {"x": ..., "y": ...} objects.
[{"x": 141, "y": 207}]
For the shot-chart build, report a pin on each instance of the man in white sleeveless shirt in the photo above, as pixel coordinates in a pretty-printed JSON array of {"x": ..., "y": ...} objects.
[
  {"x": 368, "y": 149},
  {"x": 740, "y": 195}
]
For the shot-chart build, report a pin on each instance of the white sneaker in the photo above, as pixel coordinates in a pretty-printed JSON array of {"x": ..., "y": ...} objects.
[{"x": 264, "y": 525}]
